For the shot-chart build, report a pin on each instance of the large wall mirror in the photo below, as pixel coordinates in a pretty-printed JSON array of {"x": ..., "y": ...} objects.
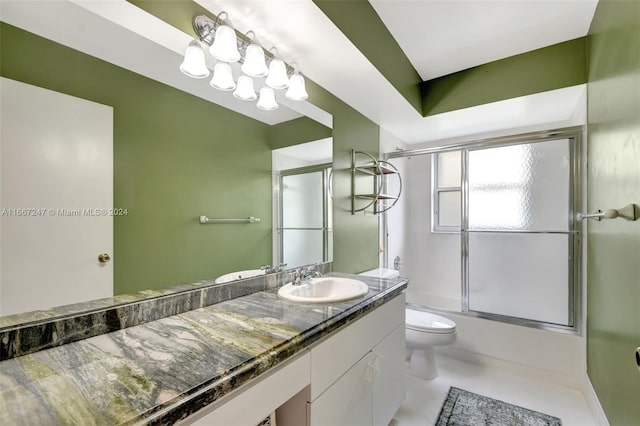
[
  {"x": 57, "y": 234},
  {"x": 136, "y": 162}
]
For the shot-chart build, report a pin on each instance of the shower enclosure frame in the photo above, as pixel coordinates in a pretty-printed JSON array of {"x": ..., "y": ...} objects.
[
  {"x": 575, "y": 294},
  {"x": 327, "y": 228}
]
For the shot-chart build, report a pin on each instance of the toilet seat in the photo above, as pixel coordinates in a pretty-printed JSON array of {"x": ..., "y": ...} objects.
[{"x": 428, "y": 323}]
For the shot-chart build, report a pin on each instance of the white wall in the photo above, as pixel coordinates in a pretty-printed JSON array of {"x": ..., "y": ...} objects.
[
  {"x": 395, "y": 244},
  {"x": 430, "y": 260}
]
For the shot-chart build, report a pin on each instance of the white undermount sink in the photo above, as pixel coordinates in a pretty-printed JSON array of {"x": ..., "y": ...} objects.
[
  {"x": 238, "y": 275},
  {"x": 324, "y": 290}
]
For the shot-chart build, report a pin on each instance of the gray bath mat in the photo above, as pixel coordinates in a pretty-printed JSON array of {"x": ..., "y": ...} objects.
[{"x": 464, "y": 408}]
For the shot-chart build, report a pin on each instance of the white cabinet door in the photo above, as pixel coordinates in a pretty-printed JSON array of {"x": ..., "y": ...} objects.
[
  {"x": 389, "y": 387},
  {"x": 56, "y": 171},
  {"x": 336, "y": 354},
  {"x": 348, "y": 401}
]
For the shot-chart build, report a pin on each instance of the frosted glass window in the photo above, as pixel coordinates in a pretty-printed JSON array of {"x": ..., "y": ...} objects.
[
  {"x": 302, "y": 247},
  {"x": 520, "y": 275},
  {"x": 520, "y": 187},
  {"x": 302, "y": 196},
  {"x": 447, "y": 191},
  {"x": 449, "y": 208},
  {"x": 449, "y": 169}
]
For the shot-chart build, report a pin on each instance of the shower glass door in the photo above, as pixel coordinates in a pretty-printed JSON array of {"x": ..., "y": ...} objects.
[
  {"x": 306, "y": 216},
  {"x": 518, "y": 232}
]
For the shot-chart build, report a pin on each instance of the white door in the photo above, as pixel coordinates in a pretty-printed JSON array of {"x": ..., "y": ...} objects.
[{"x": 56, "y": 174}]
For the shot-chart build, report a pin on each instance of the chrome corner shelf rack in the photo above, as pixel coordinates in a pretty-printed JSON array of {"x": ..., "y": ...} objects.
[{"x": 380, "y": 170}]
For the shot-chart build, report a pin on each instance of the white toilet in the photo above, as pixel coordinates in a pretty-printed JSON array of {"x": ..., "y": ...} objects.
[{"x": 424, "y": 331}]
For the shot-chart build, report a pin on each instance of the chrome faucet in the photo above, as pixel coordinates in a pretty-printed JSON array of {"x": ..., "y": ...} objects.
[
  {"x": 304, "y": 274},
  {"x": 268, "y": 269}
]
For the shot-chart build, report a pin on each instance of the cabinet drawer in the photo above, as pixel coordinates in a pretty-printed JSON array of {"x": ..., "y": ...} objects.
[{"x": 333, "y": 356}]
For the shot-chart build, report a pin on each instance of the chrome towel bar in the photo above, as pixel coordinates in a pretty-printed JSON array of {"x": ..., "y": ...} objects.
[
  {"x": 628, "y": 212},
  {"x": 205, "y": 220}
]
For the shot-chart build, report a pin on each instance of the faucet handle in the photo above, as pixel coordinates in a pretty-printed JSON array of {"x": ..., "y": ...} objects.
[
  {"x": 295, "y": 276},
  {"x": 265, "y": 268},
  {"x": 313, "y": 269}
]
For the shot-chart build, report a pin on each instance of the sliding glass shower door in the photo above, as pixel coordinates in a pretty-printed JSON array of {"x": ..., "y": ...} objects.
[
  {"x": 518, "y": 231},
  {"x": 306, "y": 219}
]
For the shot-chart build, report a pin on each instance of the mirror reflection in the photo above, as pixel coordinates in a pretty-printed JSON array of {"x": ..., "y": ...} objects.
[
  {"x": 91, "y": 210},
  {"x": 303, "y": 214}
]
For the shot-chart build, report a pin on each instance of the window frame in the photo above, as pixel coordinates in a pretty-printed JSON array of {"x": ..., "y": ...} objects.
[{"x": 436, "y": 190}]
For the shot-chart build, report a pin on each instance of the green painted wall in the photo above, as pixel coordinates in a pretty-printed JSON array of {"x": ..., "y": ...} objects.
[
  {"x": 297, "y": 131},
  {"x": 355, "y": 237},
  {"x": 613, "y": 322},
  {"x": 358, "y": 20},
  {"x": 549, "y": 68},
  {"x": 178, "y": 13},
  {"x": 176, "y": 156}
]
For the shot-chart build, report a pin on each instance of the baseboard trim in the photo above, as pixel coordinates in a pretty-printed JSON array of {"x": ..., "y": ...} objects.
[{"x": 594, "y": 403}]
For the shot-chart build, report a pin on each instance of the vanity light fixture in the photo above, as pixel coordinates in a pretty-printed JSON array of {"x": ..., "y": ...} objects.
[
  {"x": 277, "y": 77},
  {"x": 228, "y": 46},
  {"x": 297, "y": 90},
  {"x": 267, "y": 99},
  {"x": 255, "y": 64},
  {"x": 194, "y": 64},
  {"x": 245, "y": 90},
  {"x": 225, "y": 43},
  {"x": 223, "y": 77}
]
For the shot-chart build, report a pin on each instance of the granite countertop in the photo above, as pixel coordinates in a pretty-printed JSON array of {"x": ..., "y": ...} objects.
[{"x": 164, "y": 370}]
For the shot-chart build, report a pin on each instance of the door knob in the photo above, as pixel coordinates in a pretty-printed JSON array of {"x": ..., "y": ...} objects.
[{"x": 103, "y": 258}]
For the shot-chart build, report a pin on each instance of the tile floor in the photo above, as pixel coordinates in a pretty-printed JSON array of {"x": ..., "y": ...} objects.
[{"x": 424, "y": 398}]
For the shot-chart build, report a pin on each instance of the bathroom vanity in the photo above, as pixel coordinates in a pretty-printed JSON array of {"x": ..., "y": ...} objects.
[
  {"x": 232, "y": 363},
  {"x": 354, "y": 376}
]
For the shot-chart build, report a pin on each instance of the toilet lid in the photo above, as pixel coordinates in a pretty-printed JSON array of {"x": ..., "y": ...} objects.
[{"x": 426, "y": 321}]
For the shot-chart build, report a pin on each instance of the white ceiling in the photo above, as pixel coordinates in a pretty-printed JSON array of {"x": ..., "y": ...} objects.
[
  {"x": 118, "y": 32},
  {"x": 441, "y": 37},
  {"x": 302, "y": 155}
]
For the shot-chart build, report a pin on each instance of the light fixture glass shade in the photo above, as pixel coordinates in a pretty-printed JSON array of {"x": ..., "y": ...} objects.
[
  {"x": 225, "y": 45},
  {"x": 277, "y": 78},
  {"x": 254, "y": 63},
  {"x": 223, "y": 77},
  {"x": 267, "y": 99},
  {"x": 245, "y": 90},
  {"x": 296, "y": 90},
  {"x": 194, "y": 64}
]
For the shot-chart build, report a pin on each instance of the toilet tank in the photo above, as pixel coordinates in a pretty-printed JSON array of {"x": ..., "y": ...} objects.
[{"x": 381, "y": 273}]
